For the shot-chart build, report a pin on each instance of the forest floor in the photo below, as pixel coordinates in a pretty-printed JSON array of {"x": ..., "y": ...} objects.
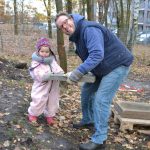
[{"x": 17, "y": 134}]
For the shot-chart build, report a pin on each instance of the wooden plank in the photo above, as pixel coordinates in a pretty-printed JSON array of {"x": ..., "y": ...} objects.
[
  {"x": 63, "y": 77},
  {"x": 133, "y": 110},
  {"x": 128, "y": 123},
  {"x": 123, "y": 125},
  {"x": 147, "y": 132}
]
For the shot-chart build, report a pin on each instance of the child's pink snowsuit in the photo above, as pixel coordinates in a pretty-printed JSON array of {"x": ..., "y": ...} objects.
[{"x": 44, "y": 94}]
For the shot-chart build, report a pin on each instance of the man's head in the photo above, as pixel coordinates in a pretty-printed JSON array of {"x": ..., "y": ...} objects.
[{"x": 65, "y": 23}]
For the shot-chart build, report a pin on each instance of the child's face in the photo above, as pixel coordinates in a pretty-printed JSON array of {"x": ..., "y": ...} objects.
[{"x": 44, "y": 51}]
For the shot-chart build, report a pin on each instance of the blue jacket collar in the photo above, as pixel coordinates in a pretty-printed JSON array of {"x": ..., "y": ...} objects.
[{"x": 77, "y": 19}]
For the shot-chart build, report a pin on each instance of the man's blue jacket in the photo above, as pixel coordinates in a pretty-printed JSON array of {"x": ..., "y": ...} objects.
[{"x": 99, "y": 49}]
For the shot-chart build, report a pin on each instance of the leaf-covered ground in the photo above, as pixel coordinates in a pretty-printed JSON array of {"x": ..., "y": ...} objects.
[{"x": 16, "y": 133}]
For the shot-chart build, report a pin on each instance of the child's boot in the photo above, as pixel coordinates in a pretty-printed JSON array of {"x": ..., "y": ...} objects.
[
  {"x": 50, "y": 120},
  {"x": 33, "y": 120}
]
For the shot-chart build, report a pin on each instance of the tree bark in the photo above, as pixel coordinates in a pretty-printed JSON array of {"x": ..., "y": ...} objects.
[
  {"x": 69, "y": 6},
  {"x": 133, "y": 27},
  {"x": 103, "y": 11},
  {"x": 69, "y": 10},
  {"x": 60, "y": 40},
  {"x": 123, "y": 15},
  {"x": 91, "y": 9},
  {"x": 15, "y": 18},
  {"x": 48, "y": 10}
]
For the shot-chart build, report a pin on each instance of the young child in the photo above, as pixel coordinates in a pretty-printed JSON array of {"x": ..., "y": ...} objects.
[{"x": 45, "y": 92}]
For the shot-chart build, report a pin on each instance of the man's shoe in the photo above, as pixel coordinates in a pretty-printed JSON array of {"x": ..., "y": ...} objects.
[
  {"x": 92, "y": 146},
  {"x": 82, "y": 126}
]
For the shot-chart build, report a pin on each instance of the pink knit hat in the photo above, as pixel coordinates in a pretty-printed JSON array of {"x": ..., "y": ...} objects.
[{"x": 42, "y": 42}]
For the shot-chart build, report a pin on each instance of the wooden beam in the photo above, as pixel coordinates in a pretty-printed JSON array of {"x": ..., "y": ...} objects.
[
  {"x": 63, "y": 77},
  {"x": 133, "y": 110}
]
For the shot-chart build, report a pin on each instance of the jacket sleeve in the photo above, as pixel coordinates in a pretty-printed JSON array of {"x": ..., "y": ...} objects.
[
  {"x": 55, "y": 68},
  {"x": 94, "y": 42},
  {"x": 34, "y": 65}
]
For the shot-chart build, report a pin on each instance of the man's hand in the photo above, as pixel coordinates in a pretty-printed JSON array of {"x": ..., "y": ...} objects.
[
  {"x": 74, "y": 76},
  {"x": 68, "y": 80}
]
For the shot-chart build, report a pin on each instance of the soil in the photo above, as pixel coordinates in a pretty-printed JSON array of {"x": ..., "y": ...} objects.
[{"x": 17, "y": 134}]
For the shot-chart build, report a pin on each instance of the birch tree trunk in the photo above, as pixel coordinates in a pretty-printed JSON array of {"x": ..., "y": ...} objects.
[
  {"x": 127, "y": 15},
  {"x": 133, "y": 28}
]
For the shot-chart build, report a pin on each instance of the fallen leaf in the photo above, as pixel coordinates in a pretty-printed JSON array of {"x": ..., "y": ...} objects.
[
  {"x": 119, "y": 139},
  {"x": 1, "y": 115},
  {"x": 148, "y": 144},
  {"x": 6, "y": 143}
]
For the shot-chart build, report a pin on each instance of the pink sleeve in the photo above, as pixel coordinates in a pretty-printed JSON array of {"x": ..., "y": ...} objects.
[{"x": 56, "y": 68}]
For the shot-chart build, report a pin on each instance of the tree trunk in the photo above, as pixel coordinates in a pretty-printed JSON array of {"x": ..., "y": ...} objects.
[
  {"x": 123, "y": 15},
  {"x": 83, "y": 5},
  {"x": 60, "y": 40},
  {"x": 103, "y": 11},
  {"x": 106, "y": 5},
  {"x": 69, "y": 10},
  {"x": 48, "y": 10},
  {"x": 69, "y": 6},
  {"x": 2, "y": 11},
  {"x": 133, "y": 28},
  {"x": 94, "y": 8},
  {"x": 22, "y": 12},
  {"x": 15, "y": 18},
  {"x": 91, "y": 9},
  {"x": 127, "y": 14},
  {"x": 100, "y": 11}
]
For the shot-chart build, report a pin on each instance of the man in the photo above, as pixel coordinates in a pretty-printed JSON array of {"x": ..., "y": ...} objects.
[{"x": 103, "y": 54}]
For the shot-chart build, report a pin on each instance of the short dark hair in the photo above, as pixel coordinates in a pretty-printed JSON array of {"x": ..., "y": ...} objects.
[{"x": 62, "y": 14}]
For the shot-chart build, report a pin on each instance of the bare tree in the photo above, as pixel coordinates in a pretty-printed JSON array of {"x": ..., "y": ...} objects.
[
  {"x": 82, "y": 7},
  {"x": 69, "y": 10},
  {"x": 69, "y": 6},
  {"x": 15, "y": 18},
  {"x": 123, "y": 17},
  {"x": 103, "y": 11},
  {"x": 91, "y": 9},
  {"x": 2, "y": 9},
  {"x": 48, "y": 10},
  {"x": 22, "y": 12},
  {"x": 133, "y": 27},
  {"x": 83, "y": 4},
  {"x": 127, "y": 13},
  {"x": 60, "y": 40}
]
